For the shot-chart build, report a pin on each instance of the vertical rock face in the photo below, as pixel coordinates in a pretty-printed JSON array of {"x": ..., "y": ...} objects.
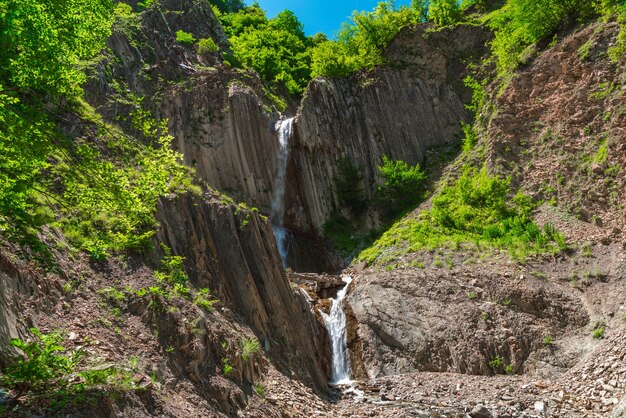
[
  {"x": 393, "y": 115},
  {"x": 398, "y": 111},
  {"x": 234, "y": 253}
]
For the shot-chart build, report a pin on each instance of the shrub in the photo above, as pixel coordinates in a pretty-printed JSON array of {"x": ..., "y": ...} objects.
[
  {"x": 598, "y": 331},
  {"x": 276, "y": 48},
  {"x": 260, "y": 390},
  {"x": 123, "y": 10},
  {"x": 204, "y": 301},
  {"x": 227, "y": 368},
  {"x": 402, "y": 184},
  {"x": 469, "y": 139},
  {"x": 184, "y": 37},
  {"x": 49, "y": 370},
  {"x": 207, "y": 46}
]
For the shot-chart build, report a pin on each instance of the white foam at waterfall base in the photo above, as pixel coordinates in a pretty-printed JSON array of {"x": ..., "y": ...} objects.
[
  {"x": 284, "y": 128},
  {"x": 336, "y": 324}
]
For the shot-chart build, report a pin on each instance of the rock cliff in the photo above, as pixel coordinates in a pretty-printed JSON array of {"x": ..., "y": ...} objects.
[
  {"x": 233, "y": 252},
  {"x": 225, "y": 125}
]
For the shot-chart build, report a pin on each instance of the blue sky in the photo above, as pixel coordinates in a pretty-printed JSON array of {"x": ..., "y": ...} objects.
[{"x": 320, "y": 15}]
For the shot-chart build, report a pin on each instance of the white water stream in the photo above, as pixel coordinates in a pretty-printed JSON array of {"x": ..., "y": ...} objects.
[
  {"x": 285, "y": 130},
  {"x": 336, "y": 324}
]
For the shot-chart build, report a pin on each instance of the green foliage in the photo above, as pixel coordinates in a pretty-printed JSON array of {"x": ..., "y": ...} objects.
[
  {"x": 112, "y": 294},
  {"x": 618, "y": 49},
  {"x": 444, "y": 12},
  {"x": 249, "y": 346},
  {"x": 469, "y": 138},
  {"x": 203, "y": 300},
  {"x": 474, "y": 209},
  {"x": 123, "y": 178},
  {"x": 260, "y": 390},
  {"x": 602, "y": 153},
  {"x": 48, "y": 178},
  {"x": 123, "y": 10},
  {"x": 42, "y": 42},
  {"x": 402, "y": 184},
  {"x": 47, "y": 369},
  {"x": 185, "y": 37},
  {"x": 173, "y": 274},
  {"x": 548, "y": 340},
  {"x": 599, "y": 330},
  {"x": 479, "y": 93},
  {"x": 40, "y": 46},
  {"x": 496, "y": 363},
  {"x": 276, "y": 48},
  {"x": 207, "y": 46},
  {"x": 228, "y": 6},
  {"x": 45, "y": 362},
  {"x": 227, "y": 368},
  {"x": 360, "y": 44},
  {"x": 522, "y": 23}
]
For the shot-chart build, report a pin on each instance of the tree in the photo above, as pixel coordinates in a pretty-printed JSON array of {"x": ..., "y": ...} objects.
[
  {"x": 41, "y": 43},
  {"x": 444, "y": 12},
  {"x": 276, "y": 48},
  {"x": 421, "y": 8}
]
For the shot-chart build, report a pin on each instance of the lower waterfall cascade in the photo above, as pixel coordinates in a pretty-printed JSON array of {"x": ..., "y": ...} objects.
[{"x": 336, "y": 325}]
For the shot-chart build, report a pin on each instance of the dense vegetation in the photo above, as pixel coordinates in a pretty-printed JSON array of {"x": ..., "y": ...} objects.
[
  {"x": 281, "y": 53},
  {"x": 474, "y": 209},
  {"x": 521, "y": 24},
  {"x": 276, "y": 48},
  {"x": 100, "y": 186}
]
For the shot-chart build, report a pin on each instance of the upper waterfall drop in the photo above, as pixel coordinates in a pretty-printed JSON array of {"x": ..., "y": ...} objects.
[{"x": 285, "y": 130}]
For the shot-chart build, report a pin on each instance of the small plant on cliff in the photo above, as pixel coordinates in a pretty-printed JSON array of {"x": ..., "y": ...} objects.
[
  {"x": 548, "y": 340},
  {"x": 203, "y": 299},
  {"x": 260, "y": 390},
  {"x": 171, "y": 271},
  {"x": 185, "y": 37},
  {"x": 207, "y": 46},
  {"x": 249, "y": 346},
  {"x": 496, "y": 363},
  {"x": 227, "y": 368},
  {"x": 598, "y": 330},
  {"x": 444, "y": 12}
]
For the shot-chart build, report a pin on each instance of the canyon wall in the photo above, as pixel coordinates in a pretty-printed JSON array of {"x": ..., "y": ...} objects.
[{"x": 233, "y": 252}]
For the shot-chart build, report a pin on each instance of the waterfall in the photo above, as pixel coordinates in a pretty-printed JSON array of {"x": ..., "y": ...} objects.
[
  {"x": 285, "y": 129},
  {"x": 336, "y": 324}
]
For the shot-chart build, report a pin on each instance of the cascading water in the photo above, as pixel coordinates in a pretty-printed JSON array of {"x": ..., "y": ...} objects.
[
  {"x": 285, "y": 129},
  {"x": 336, "y": 324}
]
